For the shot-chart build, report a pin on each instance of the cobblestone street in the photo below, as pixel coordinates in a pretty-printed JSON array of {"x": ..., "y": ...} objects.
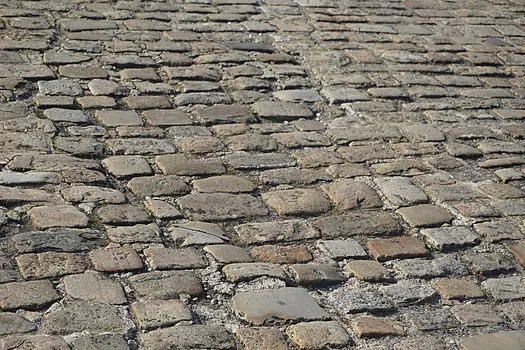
[{"x": 262, "y": 174}]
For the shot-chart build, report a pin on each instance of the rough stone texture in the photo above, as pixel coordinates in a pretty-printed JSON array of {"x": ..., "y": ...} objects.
[
  {"x": 371, "y": 327},
  {"x": 189, "y": 337},
  {"x": 221, "y": 206},
  {"x": 153, "y": 314},
  {"x": 318, "y": 334},
  {"x": 27, "y": 295},
  {"x": 85, "y": 316},
  {"x": 276, "y": 306},
  {"x": 511, "y": 340},
  {"x": 297, "y": 131}
]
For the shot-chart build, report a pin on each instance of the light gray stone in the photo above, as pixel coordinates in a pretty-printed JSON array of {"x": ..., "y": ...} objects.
[{"x": 277, "y": 306}]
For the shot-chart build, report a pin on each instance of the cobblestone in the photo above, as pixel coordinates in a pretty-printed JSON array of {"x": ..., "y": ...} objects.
[{"x": 305, "y": 135}]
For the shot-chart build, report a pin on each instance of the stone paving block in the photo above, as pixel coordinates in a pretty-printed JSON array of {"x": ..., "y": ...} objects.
[
  {"x": 221, "y": 206},
  {"x": 251, "y": 142},
  {"x": 100, "y": 341},
  {"x": 406, "y": 293},
  {"x": 336, "y": 94},
  {"x": 292, "y": 176},
  {"x": 173, "y": 259},
  {"x": 277, "y": 306},
  {"x": 457, "y": 289},
  {"x": 281, "y": 254},
  {"x": 342, "y": 249},
  {"x": 318, "y": 334},
  {"x": 140, "y": 146},
  {"x": 514, "y": 311},
  {"x": 259, "y": 338},
  {"x": 50, "y": 264},
  {"x": 92, "y": 286},
  {"x": 239, "y": 272},
  {"x": 449, "y": 238},
  {"x": 298, "y": 202},
  {"x": 498, "y": 230},
  {"x": 56, "y": 240},
  {"x": 88, "y": 316},
  {"x": 247, "y": 161},
  {"x": 316, "y": 157},
  {"x": 11, "y": 323},
  {"x": 400, "y": 191},
  {"x": 188, "y": 337},
  {"x": 115, "y": 260},
  {"x": 179, "y": 164},
  {"x": 368, "y": 270},
  {"x": 396, "y": 248},
  {"x": 34, "y": 342},
  {"x": 425, "y": 215},
  {"x": 505, "y": 289},
  {"x": 359, "y": 223},
  {"x": 169, "y": 185},
  {"x": 227, "y": 254},
  {"x": 94, "y": 194},
  {"x": 488, "y": 263},
  {"x": 371, "y": 327},
  {"x": 281, "y": 111},
  {"x": 27, "y": 295},
  {"x": 65, "y": 115},
  {"x": 349, "y": 194},
  {"x": 316, "y": 274},
  {"x": 276, "y": 231},
  {"x": 60, "y": 87},
  {"x": 165, "y": 284},
  {"x": 197, "y": 232},
  {"x": 152, "y": 314},
  {"x": 225, "y": 183},
  {"x": 439, "y": 267},
  {"x": 476, "y": 315},
  {"x": 140, "y": 233},
  {"x": 511, "y": 340},
  {"x": 118, "y": 118},
  {"x": 10, "y": 195},
  {"x": 166, "y": 117},
  {"x": 126, "y": 166},
  {"x": 225, "y": 114}
]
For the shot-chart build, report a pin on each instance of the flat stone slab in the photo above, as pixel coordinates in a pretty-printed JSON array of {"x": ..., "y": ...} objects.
[
  {"x": 63, "y": 240},
  {"x": 297, "y": 202},
  {"x": 280, "y": 111},
  {"x": 221, "y": 206},
  {"x": 318, "y": 335},
  {"x": 11, "y": 323},
  {"x": 86, "y": 316},
  {"x": 188, "y": 337},
  {"x": 425, "y": 215},
  {"x": 166, "y": 284},
  {"x": 57, "y": 216},
  {"x": 359, "y": 223},
  {"x": 509, "y": 340},
  {"x": 26, "y": 295},
  {"x": 275, "y": 231},
  {"x": 277, "y": 306},
  {"x": 151, "y": 314}
]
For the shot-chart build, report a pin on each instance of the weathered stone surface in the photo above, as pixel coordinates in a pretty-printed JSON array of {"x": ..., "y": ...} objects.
[
  {"x": 281, "y": 254},
  {"x": 140, "y": 233},
  {"x": 278, "y": 305},
  {"x": 225, "y": 183},
  {"x": 189, "y": 337},
  {"x": 421, "y": 268},
  {"x": 169, "y": 185},
  {"x": 341, "y": 249},
  {"x": 349, "y": 299},
  {"x": 95, "y": 194},
  {"x": 506, "y": 289},
  {"x": 173, "y": 259},
  {"x": 126, "y": 166},
  {"x": 370, "y": 271},
  {"x": 85, "y": 316},
  {"x": 221, "y": 206},
  {"x": 11, "y": 323},
  {"x": 457, "y": 289},
  {"x": 511, "y": 340},
  {"x": 298, "y": 202},
  {"x": 396, "y": 248},
  {"x": 50, "y": 264},
  {"x": 61, "y": 240},
  {"x": 349, "y": 194},
  {"x": 371, "y": 327},
  {"x": 400, "y": 191},
  {"x": 151, "y": 314},
  {"x": 121, "y": 214},
  {"x": 277, "y": 231},
  {"x": 91, "y": 286},
  {"x": 316, "y": 274},
  {"x": 425, "y": 215},
  {"x": 238, "y": 272},
  {"x": 259, "y": 338},
  {"x": 179, "y": 164},
  {"x": 100, "y": 341},
  {"x": 34, "y": 342},
  {"x": 280, "y": 111},
  {"x": 115, "y": 260},
  {"x": 27, "y": 295},
  {"x": 447, "y": 238},
  {"x": 318, "y": 334},
  {"x": 165, "y": 285},
  {"x": 360, "y": 223}
]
